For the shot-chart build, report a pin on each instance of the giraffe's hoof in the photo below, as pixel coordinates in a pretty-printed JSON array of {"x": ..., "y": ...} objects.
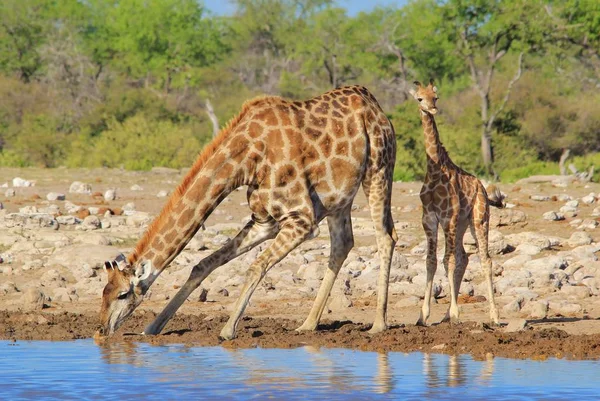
[
  {"x": 307, "y": 327},
  {"x": 226, "y": 334},
  {"x": 421, "y": 323},
  {"x": 378, "y": 328}
]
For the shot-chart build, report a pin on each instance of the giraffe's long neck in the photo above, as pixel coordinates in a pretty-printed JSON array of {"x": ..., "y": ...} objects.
[
  {"x": 436, "y": 153},
  {"x": 192, "y": 203}
]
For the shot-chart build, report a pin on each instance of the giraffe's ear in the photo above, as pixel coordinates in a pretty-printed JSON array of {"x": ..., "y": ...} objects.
[
  {"x": 417, "y": 84},
  {"x": 434, "y": 89},
  {"x": 431, "y": 82}
]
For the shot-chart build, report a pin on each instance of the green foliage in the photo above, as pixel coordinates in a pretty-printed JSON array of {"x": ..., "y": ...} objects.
[
  {"x": 138, "y": 143},
  {"x": 125, "y": 83},
  {"x": 533, "y": 168}
]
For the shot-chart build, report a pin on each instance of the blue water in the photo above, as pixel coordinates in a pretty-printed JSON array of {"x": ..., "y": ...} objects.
[{"x": 79, "y": 370}]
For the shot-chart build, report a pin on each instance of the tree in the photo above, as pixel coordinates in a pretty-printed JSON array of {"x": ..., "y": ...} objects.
[
  {"x": 23, "y": 27},
  {"x": 485, "y": 32},
  {"x": 163, "y": 46}
]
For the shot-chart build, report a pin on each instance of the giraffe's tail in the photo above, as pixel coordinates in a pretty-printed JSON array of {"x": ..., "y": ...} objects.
[{"x": 495, "y": 197}]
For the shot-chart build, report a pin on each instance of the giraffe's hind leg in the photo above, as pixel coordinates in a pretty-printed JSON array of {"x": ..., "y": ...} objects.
[
  {"x": 378, "y": 188},
  {"x": 480, "y": 229},
  {"x": 342, "y": 241},
  {"x": 294, "y": 230}
]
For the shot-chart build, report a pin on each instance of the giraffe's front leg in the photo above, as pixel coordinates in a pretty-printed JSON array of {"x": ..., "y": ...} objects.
[
  {"x": 251, "y": 235},
  {"x": 430, "y": 225},
  {"x": 293, "y": 232},
  {"x": 342, "y": 241},
  {"x": 450, "y": 265}
]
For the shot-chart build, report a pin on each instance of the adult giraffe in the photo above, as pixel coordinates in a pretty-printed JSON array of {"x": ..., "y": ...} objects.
[
  {"x": 455, "y": 200},
  {"x": 302, "y": 162}
]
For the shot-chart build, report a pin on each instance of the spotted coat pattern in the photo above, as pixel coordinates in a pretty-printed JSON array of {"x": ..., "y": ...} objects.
[
  {"x": 302, "y": 162},
  {"x": 454, "y": 200}
]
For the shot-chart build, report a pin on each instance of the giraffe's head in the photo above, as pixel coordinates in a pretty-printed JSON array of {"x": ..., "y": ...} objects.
[
  {"x": 426, "y": 96},
  {"x": 123, "y": 293}
]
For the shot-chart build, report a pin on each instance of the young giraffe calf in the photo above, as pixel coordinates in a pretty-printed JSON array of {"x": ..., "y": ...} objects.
[
  {"x": 455, "y": 200},
  {"x": 302, "y": 162}
]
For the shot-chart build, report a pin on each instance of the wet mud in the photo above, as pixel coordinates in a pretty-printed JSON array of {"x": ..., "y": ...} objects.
[{"x": 477, "y": 339}]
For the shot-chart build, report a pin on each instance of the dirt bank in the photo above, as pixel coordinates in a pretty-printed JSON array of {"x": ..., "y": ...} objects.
[{"x": 476, "y": 339}]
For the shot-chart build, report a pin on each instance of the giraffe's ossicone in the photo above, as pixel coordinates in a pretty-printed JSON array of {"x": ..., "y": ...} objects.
[{"x": 302, "y": 162}]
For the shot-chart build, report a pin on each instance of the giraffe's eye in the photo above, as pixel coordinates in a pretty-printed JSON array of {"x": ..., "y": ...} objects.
[
  {"x": 123, "y": 295},
  {"x": 419, "y": 99}
]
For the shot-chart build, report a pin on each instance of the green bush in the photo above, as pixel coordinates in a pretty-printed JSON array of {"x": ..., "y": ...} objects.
[{"x": 138, "y": 143}]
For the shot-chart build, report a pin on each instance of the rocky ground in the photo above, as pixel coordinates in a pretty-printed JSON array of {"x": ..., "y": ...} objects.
[{"x": 57, "y": 227}]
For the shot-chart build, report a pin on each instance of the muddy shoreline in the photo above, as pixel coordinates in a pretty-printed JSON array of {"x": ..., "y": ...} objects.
[{"x": 476, "y": 339}]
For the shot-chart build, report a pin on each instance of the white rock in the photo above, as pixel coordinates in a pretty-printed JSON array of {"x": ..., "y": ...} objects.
[
  {"x": 83, "y": 271},
  {"x": 67, "y": 220},
  {"x": 129, "y": 207},
  {"x": 20, "y": 182},
  {"x": 72, "y": 208},
  {"x": 588, "y": 224},
  {"x": 528, "y": 249},
  {"x": 64, "y": 295},
  {"x": 28, "y": 210},
  {"x": 542, "y": 270},
  {"x": 576, "y": 291},
  {"x": 80, "y": 188},
  {"x": 407, "y": 302},
  {"x": 340, "y": 302},
  {"x": 162, "y": 194},
  {"x": 136, "y": 187},
  {"x": 516, "y": 261},
  {"x": 553, "y": 216},
  {"x": 514, "y": 305},
  {"x": 586, "y": 252},
  {"x": 91, "y": 223},
  {"x": 579, "y": 238},
  {"x": 517, "y": 278},
  {"x": 138, "y": 219},
  {"x": 54, "y": 196},
  {"x": 568, "y": 210},
  {"x": 521, "y": 292},
  {"x": 313, "y": 270},
  {"x": 540, "y": 198},
  {"x": 564, "y": 197},
  {"x": 9, "y": 193},
  {"x": 8, "y": 288},
  {"x": 515, "y": 325},
  {"x": 34, "y": 298},
  {"x": 572, "y": 203},
  {"x": 507, "y": 217},
  {"x": 110, "y": 194},
  {"x": 596, "y": 212},
  {"x": 589, "y": 199},
  {"x": 536, "y": 309},
  {"x": 564, "y": 308}
]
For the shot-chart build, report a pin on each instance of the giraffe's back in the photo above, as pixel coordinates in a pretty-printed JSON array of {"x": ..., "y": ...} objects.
[{"x": 317, "y": 148}]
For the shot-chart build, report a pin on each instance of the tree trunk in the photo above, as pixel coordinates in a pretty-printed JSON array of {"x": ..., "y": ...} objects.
[
  {"x": 563, "y": 158},
  {"x": 486, "y": 151},
  {"x": 213, "y": 117}
]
